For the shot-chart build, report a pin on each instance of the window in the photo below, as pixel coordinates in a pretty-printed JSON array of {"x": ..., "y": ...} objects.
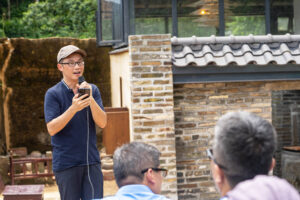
[
  {"x": 111, "y": 19},
  {"x": 199, "y": 18},
  {"x": 282, "y": 16},
  {"x": 153, "y": 16},
  {"x": 116, "y": 19},
  {"x": 245, "y": 17}
]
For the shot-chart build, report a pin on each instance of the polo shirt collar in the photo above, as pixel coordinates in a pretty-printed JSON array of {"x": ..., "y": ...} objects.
[
  {"x": 65, "y": 84},
  {"x": 134, "y": 188}
]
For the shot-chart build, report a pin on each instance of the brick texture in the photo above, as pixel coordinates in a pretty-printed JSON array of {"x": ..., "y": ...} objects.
[
  {"x": 197, "y": 108},
  {"x": 152, "y": 94},
  {"x": 282, "y": 105},
  {"x": 179, "y": 119}
]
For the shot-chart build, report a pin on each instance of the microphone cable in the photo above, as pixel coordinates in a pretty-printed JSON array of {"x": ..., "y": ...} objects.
[
  {"x": 87, "y": 151},
  {"x": 81, "y": 80}
]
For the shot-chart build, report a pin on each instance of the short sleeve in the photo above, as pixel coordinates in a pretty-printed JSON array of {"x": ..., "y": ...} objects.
[
  {"x": 97, "y": 96},
  {"x": 51, "y": 106}
]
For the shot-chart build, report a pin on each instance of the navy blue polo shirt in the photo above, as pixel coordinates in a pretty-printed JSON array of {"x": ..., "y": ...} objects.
[{"x": 70, "y": 144}]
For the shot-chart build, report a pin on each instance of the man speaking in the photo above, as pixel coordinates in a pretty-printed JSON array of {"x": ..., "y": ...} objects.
[{"x": 71, "y": 118}]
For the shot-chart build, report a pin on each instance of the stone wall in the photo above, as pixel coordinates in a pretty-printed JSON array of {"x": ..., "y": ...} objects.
[
  {"x": 157, "y": 106},
  {"x": 197, "y": 108},
  {"x": 151, "y": 114},
  {"x": 28, "y": 69},
  {"x": 282, "y": 103}
]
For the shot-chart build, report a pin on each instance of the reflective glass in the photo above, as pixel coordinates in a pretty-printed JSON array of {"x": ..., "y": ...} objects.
[
  {"x": 244, "y": 17},
  {"x": 111, "y": 17},
  {"x": 197, "y": 17},
  {"x": 152, "y": 16},
  {"x": 282, "y": 17}
]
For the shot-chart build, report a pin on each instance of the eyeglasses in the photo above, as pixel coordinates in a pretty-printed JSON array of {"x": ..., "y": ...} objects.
[
  {"x": 73, "y": 64},
  {"x": 210, "y": 155},
  {"x": 163, "y": 171}
]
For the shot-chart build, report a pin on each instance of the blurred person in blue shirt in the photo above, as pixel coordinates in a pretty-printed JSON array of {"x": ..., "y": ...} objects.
[{"x": 137, "y": 172}]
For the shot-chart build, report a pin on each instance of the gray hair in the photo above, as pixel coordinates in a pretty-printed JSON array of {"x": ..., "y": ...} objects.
[
  {"x": 130, "y": 159},
  {"x": 244, "y": 143}
]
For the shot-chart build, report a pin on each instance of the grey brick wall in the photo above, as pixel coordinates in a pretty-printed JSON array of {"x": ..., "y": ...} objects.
[
  {"x": 179, "y": 119},
  {"x": 197, "y": 107},
  {"x": 152, "y": 115},
  {"x": 281, "y": 119}
]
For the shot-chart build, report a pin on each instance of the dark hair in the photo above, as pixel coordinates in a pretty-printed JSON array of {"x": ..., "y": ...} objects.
[
  {"x": 130, "y": 159},
  {"x": 245, "y": 143}
]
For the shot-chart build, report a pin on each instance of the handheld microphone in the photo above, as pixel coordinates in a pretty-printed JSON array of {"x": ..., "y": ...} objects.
[
  {"x": 83, "y": 91},
  {"x": 81, "y": 80}
]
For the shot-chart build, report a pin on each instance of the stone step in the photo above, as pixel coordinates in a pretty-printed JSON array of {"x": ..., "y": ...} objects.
[
  {"x": 107, "y": 166},
  {"x": 108, "y": 175}
]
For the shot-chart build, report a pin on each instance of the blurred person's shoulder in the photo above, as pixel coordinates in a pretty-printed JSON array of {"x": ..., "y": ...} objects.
[
  {"x": 224, "y": 198},
  {"x": 263, "y": 187}
]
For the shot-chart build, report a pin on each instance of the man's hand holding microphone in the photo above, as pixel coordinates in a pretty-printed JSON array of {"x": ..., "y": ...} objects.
[{"x": 84, "y": 92}]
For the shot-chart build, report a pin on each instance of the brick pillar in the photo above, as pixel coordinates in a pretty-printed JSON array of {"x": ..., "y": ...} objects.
[{"x": 151, "y": 113}]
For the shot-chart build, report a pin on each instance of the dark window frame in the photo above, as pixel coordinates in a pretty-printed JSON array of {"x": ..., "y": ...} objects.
[
  {"x": 128, "y": 25},
  {"x": 114, "y": 43}
]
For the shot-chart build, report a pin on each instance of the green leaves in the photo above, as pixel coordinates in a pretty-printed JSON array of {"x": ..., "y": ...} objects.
[{"x": 55, "y": 18}]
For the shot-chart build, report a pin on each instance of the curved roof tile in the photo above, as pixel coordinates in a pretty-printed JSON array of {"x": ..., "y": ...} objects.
[{"x": 239, "y": 50}]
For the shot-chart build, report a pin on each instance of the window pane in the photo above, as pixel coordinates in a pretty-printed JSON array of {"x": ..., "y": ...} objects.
[
  {"x": 296, "y": 5},
  {"x": 197, "y": 17},
  {"x": 153, "y": 16},
  {"x": 244, "y": 17},
  {"x": 282, "y": 16},
  {"x": 111, "y": 17}
]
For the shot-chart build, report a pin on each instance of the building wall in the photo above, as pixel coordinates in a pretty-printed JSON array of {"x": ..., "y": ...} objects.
[
  {"x": 283, "y": 102},
  {"x": 119, "y": 72},
  {"x": 152, "y": 115},
  {"x": 179, "y": 119},
  {"x": 197, "y": 107}
]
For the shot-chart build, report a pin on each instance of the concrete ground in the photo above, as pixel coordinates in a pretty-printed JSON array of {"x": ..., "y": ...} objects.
[{"x": 51, "y": 191}]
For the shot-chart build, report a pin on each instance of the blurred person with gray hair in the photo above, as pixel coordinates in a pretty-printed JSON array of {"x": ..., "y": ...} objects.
[
  {"x": 242, "y": 157},
  {"x": 137, "y": 172}
]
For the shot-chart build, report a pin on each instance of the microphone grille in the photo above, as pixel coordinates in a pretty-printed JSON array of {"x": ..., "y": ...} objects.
[{"x": 81, "y": 80}]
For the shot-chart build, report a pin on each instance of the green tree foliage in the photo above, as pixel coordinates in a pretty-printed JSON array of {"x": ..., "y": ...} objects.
[
  {"x": 10, "y": 15},
  {"x": 54, "y": 18},
  {"x": 63, "y": 18}
]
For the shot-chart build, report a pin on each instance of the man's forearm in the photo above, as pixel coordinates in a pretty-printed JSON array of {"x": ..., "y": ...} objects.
[
  {"x": 98, "y": 114},
  {"x": 57, "y": 124}
]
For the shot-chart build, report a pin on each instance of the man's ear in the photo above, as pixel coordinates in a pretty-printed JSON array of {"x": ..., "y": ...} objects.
[
  {"x": 218, "y": 174},
  {"x": 273, "y": 163},
  {"x": 59, "y": 67},
  {"x": 220, "y": 180},
  {"x": 149, "y": 177}
]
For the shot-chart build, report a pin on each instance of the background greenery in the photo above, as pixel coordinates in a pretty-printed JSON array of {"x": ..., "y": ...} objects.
[
  {"x": 76, "y": 18},
  {"x": 48, "y": 18}
]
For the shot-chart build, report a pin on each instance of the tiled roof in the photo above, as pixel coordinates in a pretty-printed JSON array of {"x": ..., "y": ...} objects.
[{"x": 236, "y": 50}]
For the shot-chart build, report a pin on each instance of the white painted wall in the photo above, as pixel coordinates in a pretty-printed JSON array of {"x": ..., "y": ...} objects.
[{"x": 119, "y": 67}]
